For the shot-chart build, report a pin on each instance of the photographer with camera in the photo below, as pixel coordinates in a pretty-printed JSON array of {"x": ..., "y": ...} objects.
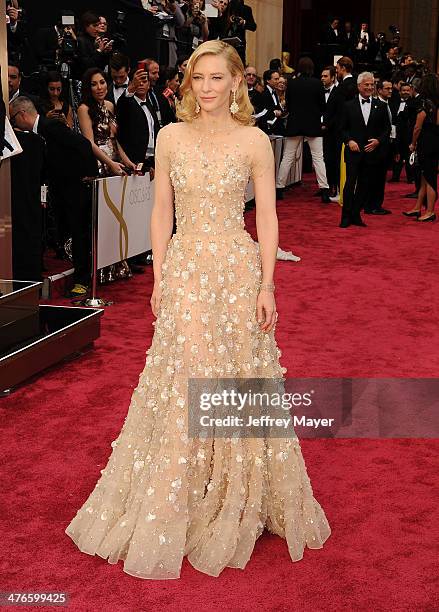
[
  {"x": 16, "y": 36},
  {"x": 167, "y": 17},
  {"x": 93, "y": 48},
  {"x": 238, "y": 19},
  {"x": 56, "y": 44},
  {"x": 195, "y": 29}
]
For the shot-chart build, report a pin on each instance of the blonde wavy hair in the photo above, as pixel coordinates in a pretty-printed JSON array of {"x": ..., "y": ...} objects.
[{"x": 186, "y": 107}]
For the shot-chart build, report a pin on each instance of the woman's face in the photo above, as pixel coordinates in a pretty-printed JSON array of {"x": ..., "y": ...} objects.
[
  {"x": 183, "y": 66},
  {"x": 282, "y": 84},
  {"x": 222, "y": 5},
  {"x": 174, "y": 83},
  {"x": 54, "y": 89},
  {"x": 212, "y": 83},
  {"x": 93, "y": 29},
  {"x": 103, "y": 25},
  {"x": 98, "y": 87}
]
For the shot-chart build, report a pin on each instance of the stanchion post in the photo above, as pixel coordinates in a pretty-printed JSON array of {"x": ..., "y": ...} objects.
[{"x": 93, "y": 300}]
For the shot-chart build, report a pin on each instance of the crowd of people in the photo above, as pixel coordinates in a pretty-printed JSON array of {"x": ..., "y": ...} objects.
[{"x": 358, "y": 120}]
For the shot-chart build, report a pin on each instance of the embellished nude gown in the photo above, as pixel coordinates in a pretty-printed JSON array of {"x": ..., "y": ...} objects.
[{"x": 164, "y": 495}]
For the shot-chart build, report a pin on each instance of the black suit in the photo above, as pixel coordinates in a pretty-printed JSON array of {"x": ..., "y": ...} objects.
[
  {"x": 133, "y": 128},
  {"x": 161, "y": 108},
  {"x": 305, "y": 104},
  {"x": 330, "y": 36},
  {"x": 270, "y": 103},
  {"x": 26, "y": 210},
  {"x": 347, "y": 88},
  {"x": 305, "y": 101},
  {"x": 330, "y": 138},
  {"x": 235, "y": 29},
  {"x": 70, "y": 158},
  {"x": 362, "y": 169},
  {"x": 110, "y": 92},
  {"x": 256, "y": 99}
]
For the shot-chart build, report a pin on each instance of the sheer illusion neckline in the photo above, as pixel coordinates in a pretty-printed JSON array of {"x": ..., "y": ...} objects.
[{"x": 209, "y": 130}]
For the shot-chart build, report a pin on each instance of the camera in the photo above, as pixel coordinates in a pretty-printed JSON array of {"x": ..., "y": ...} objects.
[
  {"x": 395, "y": 30},
  {"x": 235, "y": 19}
]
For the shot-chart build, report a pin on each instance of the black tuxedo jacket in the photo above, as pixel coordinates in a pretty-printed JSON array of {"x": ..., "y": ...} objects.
[
  {"x": 347, "y": 88},
  {"x": 331, "y": 112},
  {"x": 110, "y": 94},
  {"x": 354, "y": 128},
  {"x": 166, "y": 112},
  {"x": 267, "y": 103},
  {"x": 133, "y": 130},
  {"x": 305, "y": 104},
  {"x": 69, "y": 155},
  {"x": 257, "y": 100},
  {"x": 329, "y": 37}
]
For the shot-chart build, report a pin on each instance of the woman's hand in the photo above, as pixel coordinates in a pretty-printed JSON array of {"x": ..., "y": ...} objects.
[
  {"x": 155, "y": 298},
  {"x": 266, "y": 310},
  {"x": 117, "y": 168}
]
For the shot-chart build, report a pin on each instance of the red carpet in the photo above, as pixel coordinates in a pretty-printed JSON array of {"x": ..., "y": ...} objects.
[{"x": 362, "y": 302}]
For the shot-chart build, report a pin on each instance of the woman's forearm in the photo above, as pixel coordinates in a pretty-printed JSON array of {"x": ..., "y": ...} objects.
[
  {"x": 162, "y": 220},
  {"x": 268, "y": 237}
]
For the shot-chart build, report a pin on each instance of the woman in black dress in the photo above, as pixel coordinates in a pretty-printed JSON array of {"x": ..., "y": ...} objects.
[
  {"x": 426, "y": 143},
  {"x": 54, "y": 102}
]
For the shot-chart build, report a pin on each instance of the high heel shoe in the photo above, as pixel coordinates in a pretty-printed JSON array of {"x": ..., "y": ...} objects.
[
  {"x": 432, "y": 217},
  {"x": 414, "y": 213}
]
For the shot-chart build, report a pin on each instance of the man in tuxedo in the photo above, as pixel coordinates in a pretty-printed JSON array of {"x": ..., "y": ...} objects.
[
  {"x": 119, "y": 77},
  {"x": 138, "y": 125},
  {"x": 271, "y": 112},
  {"x": 329, "y": 129},
  {"x": 349, "y": 38},
  {"x": 69, "y": 159},
  {"x": 402, "y": 135},
  {"x": 158, "y": 102},
  {"x": 347, "y": 87},
  {"x": 256, "y": 99},
  {"x": 365, "y": 133},
  {"x": 305, "y": 102},
  {"x": 375, "y": 203},
  {"x": 332, "y": 35},
  {"x": 14, "y": 85}
]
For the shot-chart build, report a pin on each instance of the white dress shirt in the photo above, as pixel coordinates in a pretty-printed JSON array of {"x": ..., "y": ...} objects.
[
  {"x": 150, "y": 120},
  {"x": 365, "y": 35},
  {"x": 119, "y": 91},
  {"x": 365, "y": 108},
  {"x": 35, "y": 125}
]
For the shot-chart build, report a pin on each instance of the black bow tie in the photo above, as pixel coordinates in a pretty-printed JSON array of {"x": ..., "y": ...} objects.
[
  {"x": 124, "y": 86},
  {"x": 144, "y": 104},
  {"x": 365, "y": 100},
  {"x": 327, "y": 90}
]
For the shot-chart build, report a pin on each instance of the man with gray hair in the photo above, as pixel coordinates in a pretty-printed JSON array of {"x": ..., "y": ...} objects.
[
  {"x": 365, "y": 133},
  {"x": 69, "y": 158}
]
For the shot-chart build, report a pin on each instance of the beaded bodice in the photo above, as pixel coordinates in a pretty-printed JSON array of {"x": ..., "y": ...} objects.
[{"x": 209, "y": 172}]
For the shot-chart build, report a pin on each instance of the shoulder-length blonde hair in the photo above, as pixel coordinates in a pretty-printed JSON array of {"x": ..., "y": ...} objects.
[{"x": 186, "y": 107}]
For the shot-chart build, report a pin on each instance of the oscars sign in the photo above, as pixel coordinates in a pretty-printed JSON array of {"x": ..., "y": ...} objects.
[{"x": 124, "y": 218}]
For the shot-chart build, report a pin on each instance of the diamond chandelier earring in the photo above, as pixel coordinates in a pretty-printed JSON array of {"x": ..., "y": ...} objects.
[
  {"x": 234, "y": 107},
  {"x": 197, "y": 108}
]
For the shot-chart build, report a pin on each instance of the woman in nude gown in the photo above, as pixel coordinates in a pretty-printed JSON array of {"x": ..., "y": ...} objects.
[{"x": 164, "y": 494}]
